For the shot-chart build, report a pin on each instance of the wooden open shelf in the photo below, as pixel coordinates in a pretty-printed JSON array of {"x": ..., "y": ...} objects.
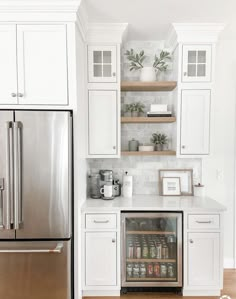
[
  {"x": 155, "y": 153},
  {"x": 151, "y": 260},
  {"x": 142, "y": 120},
  {"x": 149, "y": 232},
  {"x": 151, "y": 279},
  {"x": 148, "y": 86}
]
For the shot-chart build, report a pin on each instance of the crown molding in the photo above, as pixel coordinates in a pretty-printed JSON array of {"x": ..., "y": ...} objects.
[
  {"x": 24, "y": 6},
  {"x": 82, "y": 20},
  {"x": 106, "y": 32},
  {"x": 193, "y": 33}
]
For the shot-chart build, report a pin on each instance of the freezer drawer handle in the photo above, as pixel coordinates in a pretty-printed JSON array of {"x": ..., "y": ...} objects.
[
  {"x": 101, "y": 221},
  {"x": 57, "y": 249},
  {"x": 209, "y": 221}
]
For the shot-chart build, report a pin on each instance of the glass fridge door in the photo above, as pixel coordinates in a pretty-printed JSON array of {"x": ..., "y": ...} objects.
[{"x": 152, "y": 249}]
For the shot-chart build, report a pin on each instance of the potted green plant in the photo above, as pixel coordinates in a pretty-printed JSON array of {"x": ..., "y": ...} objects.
[
  {"x": 140, "y": 107},
  {"x": 128, "y": 110},
  {"x": 147, "y": 73},
  {"x": 159, "y": 140}
]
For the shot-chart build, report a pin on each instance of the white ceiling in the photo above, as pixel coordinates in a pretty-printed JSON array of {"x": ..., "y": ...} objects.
[{"x": 151, "y": 19}]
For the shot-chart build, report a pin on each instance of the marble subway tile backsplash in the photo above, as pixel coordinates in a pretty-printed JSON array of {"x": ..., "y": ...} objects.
[{"x": 145, "y": 170}]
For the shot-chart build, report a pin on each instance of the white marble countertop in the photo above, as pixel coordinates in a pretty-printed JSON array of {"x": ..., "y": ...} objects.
[{"x": 154, "y": 203}]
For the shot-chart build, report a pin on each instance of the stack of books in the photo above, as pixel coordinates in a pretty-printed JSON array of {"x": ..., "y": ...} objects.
[{"x": 159, "y": 111}]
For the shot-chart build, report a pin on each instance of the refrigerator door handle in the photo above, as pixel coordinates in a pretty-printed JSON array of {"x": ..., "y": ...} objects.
[
  {"x": 9, "y": 177},
  {"x": 17, "y": 175},
  {"x": 57, "y": 249}
]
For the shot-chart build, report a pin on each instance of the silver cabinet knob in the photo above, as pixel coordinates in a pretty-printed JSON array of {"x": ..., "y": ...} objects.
[
  {"x": 20, "y": 95},
  {"x": 113, "y": 74},
  {"x": 183, "y": 146},
  {"x": 113, "y": 240},
  {"x": 13, "y": 95},
  {"x": 191, "y": 241},
  {"x": 114, "y": 147}
]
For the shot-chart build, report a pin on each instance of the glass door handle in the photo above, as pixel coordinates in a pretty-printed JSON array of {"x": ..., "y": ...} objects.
[{"x": 57, "y": 249}]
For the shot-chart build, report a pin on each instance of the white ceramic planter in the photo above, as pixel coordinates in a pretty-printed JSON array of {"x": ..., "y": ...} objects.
[{"x": 147, "y": 73}]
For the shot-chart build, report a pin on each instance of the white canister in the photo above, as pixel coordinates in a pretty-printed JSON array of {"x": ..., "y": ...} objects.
[{"x": 127, "y": 185}]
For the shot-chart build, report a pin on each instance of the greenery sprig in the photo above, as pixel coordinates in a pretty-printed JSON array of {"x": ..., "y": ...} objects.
[
  {"x": 160, "y": 63},
  {"x": 137, "y": 59}
]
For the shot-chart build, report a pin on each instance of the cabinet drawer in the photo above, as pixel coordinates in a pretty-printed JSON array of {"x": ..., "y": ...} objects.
[
  {"x": 204, "y": 221},
  {"x": 102, "y": 221}
]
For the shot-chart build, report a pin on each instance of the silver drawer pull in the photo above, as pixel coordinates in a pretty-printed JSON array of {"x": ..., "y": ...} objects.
[
  {"x": 100, "y": 221},
  {"x": 57, "y": 249},
  {"x": 208, "y": 221}
]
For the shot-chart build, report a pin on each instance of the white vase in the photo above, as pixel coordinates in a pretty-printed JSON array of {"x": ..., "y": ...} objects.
[{"x": 148, "y": 73}]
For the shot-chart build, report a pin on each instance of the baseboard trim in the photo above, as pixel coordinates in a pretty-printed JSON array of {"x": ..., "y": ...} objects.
[{"x": 100, "y": 293}]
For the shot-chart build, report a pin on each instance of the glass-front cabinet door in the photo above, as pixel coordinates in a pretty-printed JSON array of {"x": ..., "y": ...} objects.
[
  {"x": 102, "y": 64},
  {"x": 196, "y": 63},
  {"x": 152, "y": 249}
]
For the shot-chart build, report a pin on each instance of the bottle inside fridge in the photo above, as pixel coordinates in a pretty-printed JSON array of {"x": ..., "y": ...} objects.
[{"x": 152, "y": 249}]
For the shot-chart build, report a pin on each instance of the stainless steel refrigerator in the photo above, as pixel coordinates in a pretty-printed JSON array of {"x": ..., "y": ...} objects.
[{"x": 35, "y": 204}]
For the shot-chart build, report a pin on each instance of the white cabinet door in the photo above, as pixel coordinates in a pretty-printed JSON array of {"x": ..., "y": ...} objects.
[
  {"x": 195, "y": 122},
  {"x": 102, "y": 64},
  {"x": 8, "y": 72},
  {"x": 100, "y": 259},
  {"x": 102, "y": 114},
  {"x": 203, "y": 259},
  {"x": 197, "y": 63},
  {"x": 42, "y": 64}
]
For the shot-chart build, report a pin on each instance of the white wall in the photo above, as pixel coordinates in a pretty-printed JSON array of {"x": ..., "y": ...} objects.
[{"x": 218, "y": 169}]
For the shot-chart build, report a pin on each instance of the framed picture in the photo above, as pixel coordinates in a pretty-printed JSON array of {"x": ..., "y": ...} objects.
[
  {"x": 186, "y": 179},
  {"x": 171, "y": 186}
]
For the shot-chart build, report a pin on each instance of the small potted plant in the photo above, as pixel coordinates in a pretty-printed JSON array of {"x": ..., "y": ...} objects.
[
  {"x": 128, "y": 110},
  {"x": 148, "y": 73},
  {"x": 140, "y": 107},
  {"x": 159, "y": 140}
]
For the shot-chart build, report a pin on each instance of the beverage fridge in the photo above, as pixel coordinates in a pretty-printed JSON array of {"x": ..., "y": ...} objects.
[
  {"x": 35, "y": 204},
  {"x": 151, "y": 249}
]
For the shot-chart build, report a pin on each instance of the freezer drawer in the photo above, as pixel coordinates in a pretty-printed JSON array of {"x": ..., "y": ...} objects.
[{"x": 38, "y": 270}]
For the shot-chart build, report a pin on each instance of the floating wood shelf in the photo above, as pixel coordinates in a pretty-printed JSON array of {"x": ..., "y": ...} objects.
[
  {"x": 141, "y": 120},
  {"x": 155, "y": 153},
  {"x": 151, "y": 260},
  {"x": 151, "y": 279},
  {"x": 148, "y": 232},
  {"x": 148, "y": 86}
]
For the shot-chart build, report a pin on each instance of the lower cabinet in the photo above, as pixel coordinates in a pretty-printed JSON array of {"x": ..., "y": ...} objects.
[
  {"x": 203, "y": 259},
  {"x": 100, "y": 260},
  {"x": 195, "y": 122},
  {"x": 102, "y": 123}
]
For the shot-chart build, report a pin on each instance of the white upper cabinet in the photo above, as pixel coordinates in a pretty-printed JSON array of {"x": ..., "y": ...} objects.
[
  {"x": 203, "y": 260},
  {"x": 102, "y": 64},
  {"x": 8, "y": 64},
  {"x": 102, "y": 124},
  {"x": 42, "y": 64},
  {"x": 195, "y": 122},
  {"x": 197, "y": 63},
  {"x": 33, "y": 61}
]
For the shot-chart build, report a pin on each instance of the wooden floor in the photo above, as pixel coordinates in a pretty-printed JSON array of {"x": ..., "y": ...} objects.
[{"x": 229, "y": 289}]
